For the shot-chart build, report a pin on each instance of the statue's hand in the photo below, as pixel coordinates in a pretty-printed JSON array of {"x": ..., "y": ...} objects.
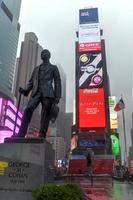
[
  {"x": 57, "y": 100},
  {"x": 23, "y": 91}
]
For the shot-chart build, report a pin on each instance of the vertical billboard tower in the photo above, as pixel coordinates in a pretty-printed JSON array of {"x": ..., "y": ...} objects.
[{"x": 92, "y": 116}]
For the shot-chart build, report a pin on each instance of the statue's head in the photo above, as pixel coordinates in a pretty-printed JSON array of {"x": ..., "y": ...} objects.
[{"x": 45, "y": 55}]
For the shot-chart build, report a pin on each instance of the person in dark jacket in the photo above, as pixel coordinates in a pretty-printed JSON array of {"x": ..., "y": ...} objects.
[
  {"x": 42, "y": 91},
  {"x": 89, "y": 156}
]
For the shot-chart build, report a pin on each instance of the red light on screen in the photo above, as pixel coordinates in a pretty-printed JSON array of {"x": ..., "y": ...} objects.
[{"x": 91, "y": 108}]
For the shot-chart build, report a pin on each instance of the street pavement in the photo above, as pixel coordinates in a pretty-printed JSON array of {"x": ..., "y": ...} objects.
[{"x": 106, "y": 189}]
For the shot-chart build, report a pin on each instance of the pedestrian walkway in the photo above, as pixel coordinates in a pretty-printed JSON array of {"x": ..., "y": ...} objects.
[
  {"x": 103, "y": 189},
  {"x": 97, "y": 191}
]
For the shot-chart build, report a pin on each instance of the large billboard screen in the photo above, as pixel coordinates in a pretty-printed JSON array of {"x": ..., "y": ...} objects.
[
  {"x": 89, "y": 37},
  {"x": 113, "y": 113},
  {"x": 89, "y": 30},
  {"x": 87, "y": 143},
  {"x": 88, "y": 15},
  {"x": 90, "y": 70},
  {"x": 92, "y": 108}
]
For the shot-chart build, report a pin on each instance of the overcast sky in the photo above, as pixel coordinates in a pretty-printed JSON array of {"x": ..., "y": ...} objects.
[{"x": 55, "y": 23}]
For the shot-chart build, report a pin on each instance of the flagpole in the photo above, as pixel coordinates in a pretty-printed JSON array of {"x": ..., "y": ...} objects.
[
  {"x": 120, "y": 106},
  {"x": 124, "y": 130}
]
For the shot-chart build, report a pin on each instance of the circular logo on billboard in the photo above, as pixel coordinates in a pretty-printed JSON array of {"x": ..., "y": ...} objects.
[
  {"x": 84, "y": 58},
  {"x": 97, "y": 79}
]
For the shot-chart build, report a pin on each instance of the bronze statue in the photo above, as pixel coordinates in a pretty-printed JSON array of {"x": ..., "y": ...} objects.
[{"x": 42, "y": 91}]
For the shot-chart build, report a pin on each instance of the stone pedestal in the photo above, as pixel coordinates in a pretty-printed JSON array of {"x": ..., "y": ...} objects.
[{"x": 24, "y": 165}]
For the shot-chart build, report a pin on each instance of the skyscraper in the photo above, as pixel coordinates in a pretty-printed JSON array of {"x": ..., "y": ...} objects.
[
  {"x": 68, "y": 129},
  {"x": 59, "y": 127},
  {"x": 9, "y": 34},
  {"x": 60, "y": 122},
  {"x": 29, "y": 58}
]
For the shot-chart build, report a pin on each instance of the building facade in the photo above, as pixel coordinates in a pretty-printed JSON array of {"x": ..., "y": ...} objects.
[
  {"x": 61, "y": 120},
  {"x": 68, "y": 130},
  {"x": 8, "y": 123},
  {"x": 60, "y": 123},
  {"x": 9, "y": 34},
  {"x": 59, "y": 146},
  {"x": 29, "y": 58}
]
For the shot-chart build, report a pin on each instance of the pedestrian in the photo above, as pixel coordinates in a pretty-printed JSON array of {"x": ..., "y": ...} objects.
[{"x": 89, "y": 155}]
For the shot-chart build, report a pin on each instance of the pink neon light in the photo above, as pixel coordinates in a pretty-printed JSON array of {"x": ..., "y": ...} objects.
[
  {"x": 9, "y": 103},
  {"x": 0, "y": 105},
  {"x": 5, "y": 134},
  {"x": 10, "y": 125},
  {"x": 12, "y": 116}
]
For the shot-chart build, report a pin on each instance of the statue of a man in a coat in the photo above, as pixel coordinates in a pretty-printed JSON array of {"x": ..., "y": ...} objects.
[{"x": 42, "y": 91}]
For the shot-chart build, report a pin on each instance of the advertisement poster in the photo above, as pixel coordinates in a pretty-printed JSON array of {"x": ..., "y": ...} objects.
[
  {"x": 91, "y": 70},
  {"x": 89, "y": 15},
  {"x": 74, "y": 140},
  {"x": 91, "y": 108},
  {"x": 91, "y": 143},
  {"x": 89, "y": 37},
  {"x": 113, "y": 113}
]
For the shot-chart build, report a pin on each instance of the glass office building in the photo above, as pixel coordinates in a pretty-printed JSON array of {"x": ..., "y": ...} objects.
[{"x": 9, "y": 34}]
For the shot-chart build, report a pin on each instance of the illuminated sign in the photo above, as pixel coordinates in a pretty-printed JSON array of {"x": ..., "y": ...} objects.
[
  {"x": 89, "y": 37},
  {"x": 89, "y": 30},
  {"x": 90, "y": 70},
  {"x": 12, "y": 116},
  {"x": 3, "y": 166},
  {"x": 113, "y": 113},
  {"x": 10, "y": 125},
  {"x": 89, "y": 15},
  {"x": 91, "y": 108},
  {"x": 115, "y": 145},
  {"x": 5, "y": 134},
  {"x": 91, "y": 143},
  {"x": 74, "y": 140},
  {"x": 7, "y": 119},
  {"x": 14, "y": 108}
]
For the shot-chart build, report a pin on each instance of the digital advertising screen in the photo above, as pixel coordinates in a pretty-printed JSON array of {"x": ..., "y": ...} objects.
[
  {"x": 88, "y": 15},
  {"x": 74, "y": 140},
  {"x": 89, "y": 37},
  {"x": 115, "y": 143},
  {"x": 92, "y": 108},
  {"x": 89, "y": 30},
  {"x": 113, "y": 113},
  {"x": 90, "y": 70},
  {"x": 91, "y": 143}
]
